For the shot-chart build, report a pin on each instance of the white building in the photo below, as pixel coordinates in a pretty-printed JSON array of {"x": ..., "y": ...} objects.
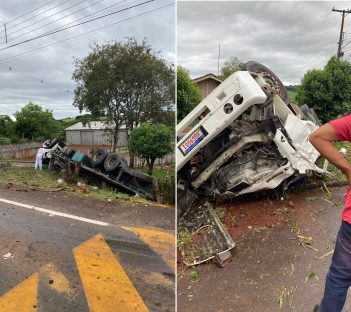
[{"x": 94, "y": 133}]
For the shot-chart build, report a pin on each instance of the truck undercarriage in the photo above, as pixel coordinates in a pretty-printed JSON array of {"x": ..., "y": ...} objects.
[
  {"x": 245, "y": 137},
  {"x": 102, "y": 166}
]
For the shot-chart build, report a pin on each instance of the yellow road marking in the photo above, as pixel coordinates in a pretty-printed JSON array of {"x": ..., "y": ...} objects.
[
  {"x": 59, "y": 282},
  {"x": 21, "y": 298},
  {"x": 106, "y": 285},
  {"x": 159, "y": 241}
]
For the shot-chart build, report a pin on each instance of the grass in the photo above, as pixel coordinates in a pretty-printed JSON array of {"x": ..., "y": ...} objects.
[
  {"x": 48, "y": 180},
  {"x": 191, "y": 252},
  {"x": 160, "y": 172},
  {"x": 292, "y": 96},
  {"x": 220, "y": 212},
  {"x": 337, "y": 173},
  {"x": 29, "y": 177}
]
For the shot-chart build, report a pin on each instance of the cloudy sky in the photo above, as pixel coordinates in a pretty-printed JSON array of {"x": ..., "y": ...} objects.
[
  {"x": 287, "y": 37},
  {"x": 44, "y": 76}
]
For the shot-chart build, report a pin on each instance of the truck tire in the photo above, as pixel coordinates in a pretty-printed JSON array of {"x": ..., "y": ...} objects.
[
  {"x": 68, "y": 151},
  {"x": 270, "y": 78},
  {"x": 112, "y": 162},
  {"x": 99, "y": 157}
]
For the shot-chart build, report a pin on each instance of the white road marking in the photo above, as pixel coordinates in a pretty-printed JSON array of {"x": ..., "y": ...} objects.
[{"x": 52, "y": 212}]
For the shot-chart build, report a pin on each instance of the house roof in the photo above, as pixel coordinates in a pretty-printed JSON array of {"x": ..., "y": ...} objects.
[
  {"x": 93, "y": 125},
  {"x": 208, "y": 76}
]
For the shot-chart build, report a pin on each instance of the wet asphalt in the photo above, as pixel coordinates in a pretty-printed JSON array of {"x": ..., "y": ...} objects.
[{"x": 37, "y": 239}]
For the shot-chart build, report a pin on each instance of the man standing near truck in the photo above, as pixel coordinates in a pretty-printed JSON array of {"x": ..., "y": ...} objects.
[
  {"x": 338, "y": 279},
  {"x": 39, "y": 159}
]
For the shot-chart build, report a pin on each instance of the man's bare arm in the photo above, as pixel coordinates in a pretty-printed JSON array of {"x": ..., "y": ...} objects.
[{"x": 323, "y": 140}]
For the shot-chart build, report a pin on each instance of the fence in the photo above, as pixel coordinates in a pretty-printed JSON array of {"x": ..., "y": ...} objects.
[
  {"x": 169, "y": 158},
  {"x": 23, "y": 151}
]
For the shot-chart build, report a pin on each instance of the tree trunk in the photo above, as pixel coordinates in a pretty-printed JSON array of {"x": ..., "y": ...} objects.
[
  {"x": 151, "y": 165},
  {"x": 115, "y": 139},
  {"x": 131, "y": 155},
  {"x": 131, "y": 160}
]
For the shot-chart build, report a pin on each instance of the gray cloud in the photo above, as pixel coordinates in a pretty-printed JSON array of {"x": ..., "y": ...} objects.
[
  {"x": 288, "y": 37},
  {"x": 45, "y": 77}
]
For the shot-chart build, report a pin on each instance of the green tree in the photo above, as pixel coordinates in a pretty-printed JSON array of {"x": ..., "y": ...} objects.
[
  {"x": 35, "y": 123},
  {"x": 230, "y": 66},
  {"x": 327, "y": 90},
  {"x": 127, "y": 82},
  {"x": 188, "y": 93},
  {"x": 151, "y": 141},
  {"x": 7, "y": 130}
]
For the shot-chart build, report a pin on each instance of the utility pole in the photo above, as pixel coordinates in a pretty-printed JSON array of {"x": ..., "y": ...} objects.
[
  {"x": 344, "y": 13},
  {"x": 219, "y": 55},
  {"x": 5, "y": 32}
]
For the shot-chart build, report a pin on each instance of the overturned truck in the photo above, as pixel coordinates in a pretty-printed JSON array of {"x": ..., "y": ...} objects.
[
  {"x": 242, "y": 138},
  {"x": 103, "y": 166}
]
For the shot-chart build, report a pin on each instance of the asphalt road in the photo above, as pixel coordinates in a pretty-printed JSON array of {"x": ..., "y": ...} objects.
[{"x": 52, "y": 262}]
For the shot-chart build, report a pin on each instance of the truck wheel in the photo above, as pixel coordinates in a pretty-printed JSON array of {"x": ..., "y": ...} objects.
[
  {"x": 112, "y": 162},
  {"x": 68, "y": 151},
  {"x": 270, "y": 78},
  {"x": 99, "y": 157}
]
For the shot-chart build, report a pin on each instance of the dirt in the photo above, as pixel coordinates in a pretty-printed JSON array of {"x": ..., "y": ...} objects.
[
  {"x": 274, "y": 262},
  {"x": 242, "y": 217}
]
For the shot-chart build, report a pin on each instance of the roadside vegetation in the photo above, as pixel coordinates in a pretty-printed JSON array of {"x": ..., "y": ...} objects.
[
  {"x": 52, "y": 181},
  {"x": 27, "y": 179},
  {"x": 338, "y": 175}
]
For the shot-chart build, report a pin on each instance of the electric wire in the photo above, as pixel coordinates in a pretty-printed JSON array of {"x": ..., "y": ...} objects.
[
  {"x": 17, "y": 18},
  {"x": 72, "y": 26},
  {"x": 38, "y": 14},
  {"x": 37, "y": 22},
  {"x": 84, "y": 17},
  {"x": 83, "y": 35}
]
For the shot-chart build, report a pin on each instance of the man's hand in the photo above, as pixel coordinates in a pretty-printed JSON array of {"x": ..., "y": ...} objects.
[{"x": 323, "y": 140}]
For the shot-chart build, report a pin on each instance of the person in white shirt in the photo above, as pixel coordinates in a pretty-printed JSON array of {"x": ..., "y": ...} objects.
[{"x": 39, "y": 159}]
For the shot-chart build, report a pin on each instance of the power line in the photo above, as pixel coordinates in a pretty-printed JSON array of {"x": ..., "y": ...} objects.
[
  {"x": 84, "y": 34},
  {"x": 17, "y": 18},
  {"x": 339, "y": 53},
  {"x": 88, "y": 21},
  {"x": 39, "y": 14},
  {"x": 32, "y": 30},
  {"x": 43, "y": 19}
]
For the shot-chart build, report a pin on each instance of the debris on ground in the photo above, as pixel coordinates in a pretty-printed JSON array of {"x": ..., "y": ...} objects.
[
  {"x": 286, "y": 297},
  {"x": 311, "y": 275},
  {"x": 325, "y": 255},
  {"x": 203, "y": 237},
  {"x": 304, "y": 241},
  {"x": 9, "y": 255}
]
